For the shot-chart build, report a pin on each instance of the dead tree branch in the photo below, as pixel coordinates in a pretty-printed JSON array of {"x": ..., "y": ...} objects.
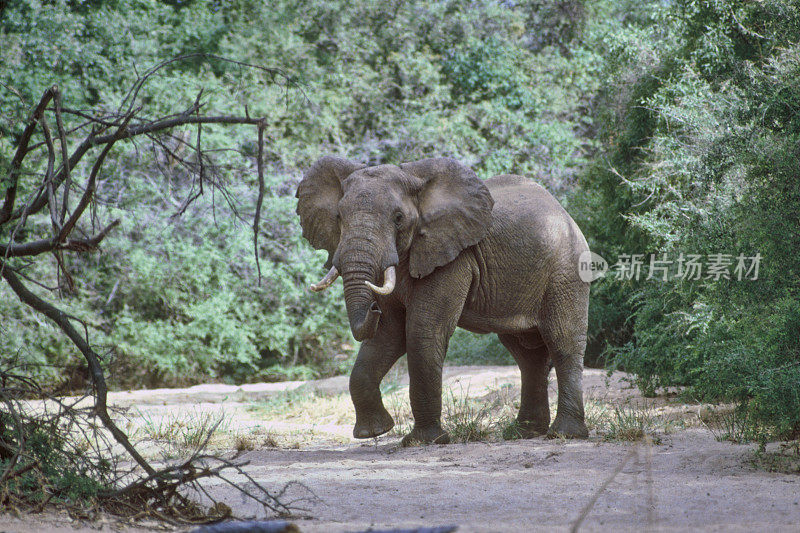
[
  {"x": 98, "y": 377},
  {"x": 47, "y": 176},
  {"x": 261, "y": 188},
  {"x": 19, "y": 155}
]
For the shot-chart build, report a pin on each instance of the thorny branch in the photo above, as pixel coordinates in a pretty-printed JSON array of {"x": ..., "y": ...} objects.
[{"x": 160, "y": 492}]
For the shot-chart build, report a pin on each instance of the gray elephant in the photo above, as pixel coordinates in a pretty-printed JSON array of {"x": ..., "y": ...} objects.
[{"x": 427, "y": 246}]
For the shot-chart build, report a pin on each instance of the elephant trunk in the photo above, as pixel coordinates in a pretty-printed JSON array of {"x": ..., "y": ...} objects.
[{"x": 362, "y": 309}]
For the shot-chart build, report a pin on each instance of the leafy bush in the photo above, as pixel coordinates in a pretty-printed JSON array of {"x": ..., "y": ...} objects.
[
  {"x": 677, "y": 121},
  {"x": 47, "y": 471},
  {"x": 175, "y": 300},
  {"x": 699, "y": 155}
]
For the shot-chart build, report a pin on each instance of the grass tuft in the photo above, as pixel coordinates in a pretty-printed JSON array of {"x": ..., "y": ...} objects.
[
  {"x": 510, "y": 429},
  {"x": 181, "y": 432},
  {"x": 737, "y": 425},
  {"x": 784, "y": 458},
  {"x": 596, "y": 413},
  {"x": 630, "y": 423},
  {"x": 244, "y": 442},
  {"x": 467, "y": 419}
]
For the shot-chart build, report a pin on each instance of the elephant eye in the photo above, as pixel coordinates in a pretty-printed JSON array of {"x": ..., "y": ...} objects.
[{"x": 398, "y": 218}]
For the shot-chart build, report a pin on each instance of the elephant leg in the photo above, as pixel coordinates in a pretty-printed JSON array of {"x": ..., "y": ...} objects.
[
  {"x": 533, "y": 360},
  {"x": 375, "y": 357},
  {"x": 425, "y": 359},
  {"x": 564, "y": 331},
  {"x": 430, "y": 324}
]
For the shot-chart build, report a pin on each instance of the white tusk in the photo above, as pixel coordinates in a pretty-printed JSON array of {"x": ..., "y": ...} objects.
[
  {"x": 388, "y": 282},
  {"x": 325, "y": 282}
]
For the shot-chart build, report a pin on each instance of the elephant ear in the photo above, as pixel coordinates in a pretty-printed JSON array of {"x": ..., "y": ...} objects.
[
  {"x": 455, "y": 212},
  {"x": 318, "y": 196}
]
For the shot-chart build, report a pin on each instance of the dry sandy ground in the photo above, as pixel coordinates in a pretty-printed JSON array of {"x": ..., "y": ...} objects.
[{"x": 689, "y": 481}]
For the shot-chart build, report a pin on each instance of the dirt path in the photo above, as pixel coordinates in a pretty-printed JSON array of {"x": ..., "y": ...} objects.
[
  {"x": 689, "y": 482},
  {"x": 301, "y": 432}
]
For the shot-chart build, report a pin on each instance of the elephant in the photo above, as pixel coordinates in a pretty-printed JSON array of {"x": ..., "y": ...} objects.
[{"x": 426, "y": 246}]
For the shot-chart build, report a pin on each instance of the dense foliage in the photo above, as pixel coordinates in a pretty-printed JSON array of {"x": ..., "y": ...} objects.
[
  {"x": 175, "y": 298},
  {"x": 700, "y": 144},
  {"x": 665, "y": 128}
]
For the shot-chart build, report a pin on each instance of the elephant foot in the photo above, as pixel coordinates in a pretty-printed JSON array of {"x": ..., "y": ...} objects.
[
  {"x": 529, "y": 429},
  {"x": 568, "y": 427},
  {"x": 373, "y": 425},
  {"x": 428, "y": 435}
]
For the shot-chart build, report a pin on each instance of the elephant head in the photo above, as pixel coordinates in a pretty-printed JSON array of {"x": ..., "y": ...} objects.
[{"x": 422, "y": 214}]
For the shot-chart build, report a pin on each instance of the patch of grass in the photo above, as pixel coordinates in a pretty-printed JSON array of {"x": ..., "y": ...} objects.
[
  {"x": 182, "y": 431},
  {"x": 510, "y": 428},
  {"x": 286, "y": 403},
  {"x": 785, "y": 459},
  {"x": 266, "y": 437},
  {"x": 269, "y": 441},
  {"x": 307, "y": 404},
  {"x": 398, "y": 407},
  {"x": 505, "y": 405},
  {"x": 466, "y": 419},
  {"x": 245, "y": 442},
  {"x": 630, "y": 423},
  {"x": 734, "y": 425},
  {"x": 596, "y": 413}
]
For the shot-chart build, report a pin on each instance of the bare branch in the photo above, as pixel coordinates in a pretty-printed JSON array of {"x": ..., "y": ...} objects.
[
  {"x": 158, "y": 493},
  {"x": 62, "y": 136},
  {"x": 48, "y": 177},
  {"x": 27, "y": 249},
  {"x": 88, "y": 245},
  {"x": 202, "y": 173},
  {"x": 48, "y": 245},
  {"x": 132, "y": 131},
  {"x": 19, "y": 155},
  {"x": 101, "y": 391},
  {"x": 40, "y": 201},
  {"x": 90, "y": 185},
  {"x": 260, "y": 201}
]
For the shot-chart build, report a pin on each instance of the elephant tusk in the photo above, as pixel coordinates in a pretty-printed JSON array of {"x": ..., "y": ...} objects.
[
  {"x": 325, "y": 282},
  {"x": 388, "y": 282}
]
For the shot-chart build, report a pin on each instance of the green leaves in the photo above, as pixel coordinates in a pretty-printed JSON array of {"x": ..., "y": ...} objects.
[
  {"x": 679, "y": 120},
  {"x": 502, "y": 87},
  {"x": 701, "y": 157}
]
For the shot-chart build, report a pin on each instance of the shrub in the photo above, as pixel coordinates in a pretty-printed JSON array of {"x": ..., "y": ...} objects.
[
  {"x": 699, "y": 153},
  {"x": 175, "y": 300}
]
